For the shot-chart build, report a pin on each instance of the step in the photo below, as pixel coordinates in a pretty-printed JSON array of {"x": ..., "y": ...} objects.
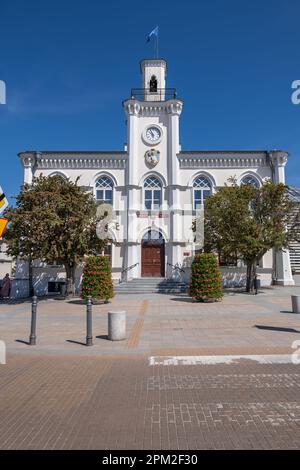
[
  {"x": 145, "y": 290},
  {"x": 149, "y": 285},
  {"x": 152, "y": 290},
  {"x": 152, "y": 285},
  {"x": 159, "y": 284}
]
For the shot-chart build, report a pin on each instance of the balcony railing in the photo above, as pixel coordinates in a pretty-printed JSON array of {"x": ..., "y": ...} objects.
[{"x": 161, "y": 94}]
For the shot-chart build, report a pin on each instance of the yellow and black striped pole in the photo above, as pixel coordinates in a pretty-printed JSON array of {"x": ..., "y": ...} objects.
[{"x": 3, "y": 201}]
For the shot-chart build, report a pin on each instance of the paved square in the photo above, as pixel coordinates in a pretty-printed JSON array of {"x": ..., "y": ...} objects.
[{"x": 61, "y": 394}]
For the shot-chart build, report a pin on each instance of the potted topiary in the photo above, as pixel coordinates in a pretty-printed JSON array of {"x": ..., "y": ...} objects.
[
  {"x": 206, "y": 278},
  {"x": 97, "y": 281}
]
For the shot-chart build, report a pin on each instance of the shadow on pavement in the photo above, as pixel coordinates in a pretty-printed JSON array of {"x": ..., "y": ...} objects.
[
  {"x": 276, "y": 328},
  {"x": 22, "y": 341},
  {"x": 184, "y": 299},
  {"x": 289, "y": 311},
  {"x": 102, "y": 337},
  {"x": 75, "y": 342}
]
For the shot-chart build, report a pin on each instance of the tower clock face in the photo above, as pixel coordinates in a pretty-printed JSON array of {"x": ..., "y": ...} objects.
[{"x": 152, "y": 134}]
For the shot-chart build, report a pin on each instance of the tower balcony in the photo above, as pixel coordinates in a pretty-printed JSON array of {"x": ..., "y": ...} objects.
[{"x": 160, "y": 94}]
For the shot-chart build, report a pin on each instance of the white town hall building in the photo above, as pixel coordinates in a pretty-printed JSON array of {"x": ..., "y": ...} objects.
[{"x": 155, "y": 188}]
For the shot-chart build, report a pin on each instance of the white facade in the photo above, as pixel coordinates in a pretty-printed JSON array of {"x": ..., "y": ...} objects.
[{"x": 166, "y": 202}]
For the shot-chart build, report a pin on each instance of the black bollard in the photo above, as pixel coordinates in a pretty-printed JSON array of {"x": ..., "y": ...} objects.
[
  {"x": 89, "y": 325},
  {"x": 32, "y": 337},
  {"x": 255, "y": 284}
]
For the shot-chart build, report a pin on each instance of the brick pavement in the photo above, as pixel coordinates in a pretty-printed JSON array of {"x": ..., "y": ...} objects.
[{"x": 67, "y": 402}]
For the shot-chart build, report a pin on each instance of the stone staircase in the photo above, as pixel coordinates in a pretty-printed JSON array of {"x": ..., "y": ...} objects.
[{"x": 149, "y": 285}]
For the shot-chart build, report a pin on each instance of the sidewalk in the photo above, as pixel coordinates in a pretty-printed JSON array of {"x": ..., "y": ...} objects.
[{"x": 160, "y": 325}]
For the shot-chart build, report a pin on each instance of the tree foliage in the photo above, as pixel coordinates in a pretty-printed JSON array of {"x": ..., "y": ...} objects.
[
  {"x": 206, "y": 279},
  {"x": 54, "y": 220},
  {"x": 246, "y": 221},
  {"x": 97, "y": 281}
]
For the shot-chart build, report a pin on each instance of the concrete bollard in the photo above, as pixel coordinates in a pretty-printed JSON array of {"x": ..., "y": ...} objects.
[
  {"x": 117, "y": 325},
  {"x": 296, "y": 303}
]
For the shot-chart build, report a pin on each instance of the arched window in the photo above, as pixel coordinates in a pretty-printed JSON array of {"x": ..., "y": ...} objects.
[
  {"x": 249, "y": 179},
  {"x": 202, "y": 189},
  {"x": 153, "y": 235},
  {"x": 57, "y": 174},
  {"x": 152, "y": 193},
  {"x": 153, "y": 84},
  {"x": 104, "y": 189}
]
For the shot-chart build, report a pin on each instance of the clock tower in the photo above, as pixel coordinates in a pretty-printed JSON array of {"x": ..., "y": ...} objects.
[{"x": 153, "y": 113}]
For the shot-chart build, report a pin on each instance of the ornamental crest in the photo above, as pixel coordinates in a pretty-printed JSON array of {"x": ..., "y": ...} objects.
[{"x": 152, "y": 157}]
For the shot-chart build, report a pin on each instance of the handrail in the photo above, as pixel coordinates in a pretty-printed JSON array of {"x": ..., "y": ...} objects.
[
  {"x": 176, "y": 267},
  {"x": 162, "y": 93},
  {"x": 127, "y": 269}
]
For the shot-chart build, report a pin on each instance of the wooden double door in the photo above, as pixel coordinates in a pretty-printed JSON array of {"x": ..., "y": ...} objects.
[{"x": 153, "y": 258}]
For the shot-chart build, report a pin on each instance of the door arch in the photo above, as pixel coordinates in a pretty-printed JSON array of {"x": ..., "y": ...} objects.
[{"x": 153, "y": 254}]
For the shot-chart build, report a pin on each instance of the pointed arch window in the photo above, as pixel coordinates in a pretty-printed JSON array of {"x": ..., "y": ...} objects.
[
  {"x": 104, "y": 189},
  {"x": 250, "y": 179},
  {"x": 152, "y": 193},
  {"x": 57, "y": 174},
  {"x": 202, "y": 189},
  {"x": 153, "y": 235}
]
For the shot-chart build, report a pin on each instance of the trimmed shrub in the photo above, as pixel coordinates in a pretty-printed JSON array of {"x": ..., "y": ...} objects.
[
  {"x": 97, "y": 280},
  {"x": 206, "y": 278}
]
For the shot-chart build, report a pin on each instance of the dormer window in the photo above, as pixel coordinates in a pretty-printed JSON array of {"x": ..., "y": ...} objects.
[{"x": 153, "y": 84}]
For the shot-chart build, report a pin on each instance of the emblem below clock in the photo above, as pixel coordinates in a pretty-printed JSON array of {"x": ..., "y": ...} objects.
[{"x": 152, "y": 157}]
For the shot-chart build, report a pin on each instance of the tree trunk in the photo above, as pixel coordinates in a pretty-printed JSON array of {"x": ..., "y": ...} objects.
[
  {"x": 70, "y": 287},
  {"x": 251, "y": 274}
]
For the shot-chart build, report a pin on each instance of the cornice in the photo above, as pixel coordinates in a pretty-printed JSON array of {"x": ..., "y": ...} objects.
[
  {"x": 74, "y": 160},
  {"x": 153, "y": 63},
  {"x": 152, "y": 108},
  {"x": 232, "y": 158},
  {"x": 222, "y": 159},
  {"x": 278, "y": 157}
]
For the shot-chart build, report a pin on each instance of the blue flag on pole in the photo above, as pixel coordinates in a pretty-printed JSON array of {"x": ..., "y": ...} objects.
[{"x": 154, "y": 32}]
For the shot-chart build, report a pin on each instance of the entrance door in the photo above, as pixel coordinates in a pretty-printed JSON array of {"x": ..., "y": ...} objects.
[{"x": 153, "y": 255}]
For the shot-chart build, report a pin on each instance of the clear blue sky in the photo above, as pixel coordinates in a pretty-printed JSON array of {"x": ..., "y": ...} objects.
[{"x": 69, "y": 64}]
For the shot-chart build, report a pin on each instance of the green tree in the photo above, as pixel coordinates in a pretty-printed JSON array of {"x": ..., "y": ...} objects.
[
  {"x": 54, "y": 220},
  {"x": 246, "y": 222}
]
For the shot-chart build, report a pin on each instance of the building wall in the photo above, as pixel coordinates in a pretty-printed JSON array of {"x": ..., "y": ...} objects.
[{"x": 6, "y": 263}]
